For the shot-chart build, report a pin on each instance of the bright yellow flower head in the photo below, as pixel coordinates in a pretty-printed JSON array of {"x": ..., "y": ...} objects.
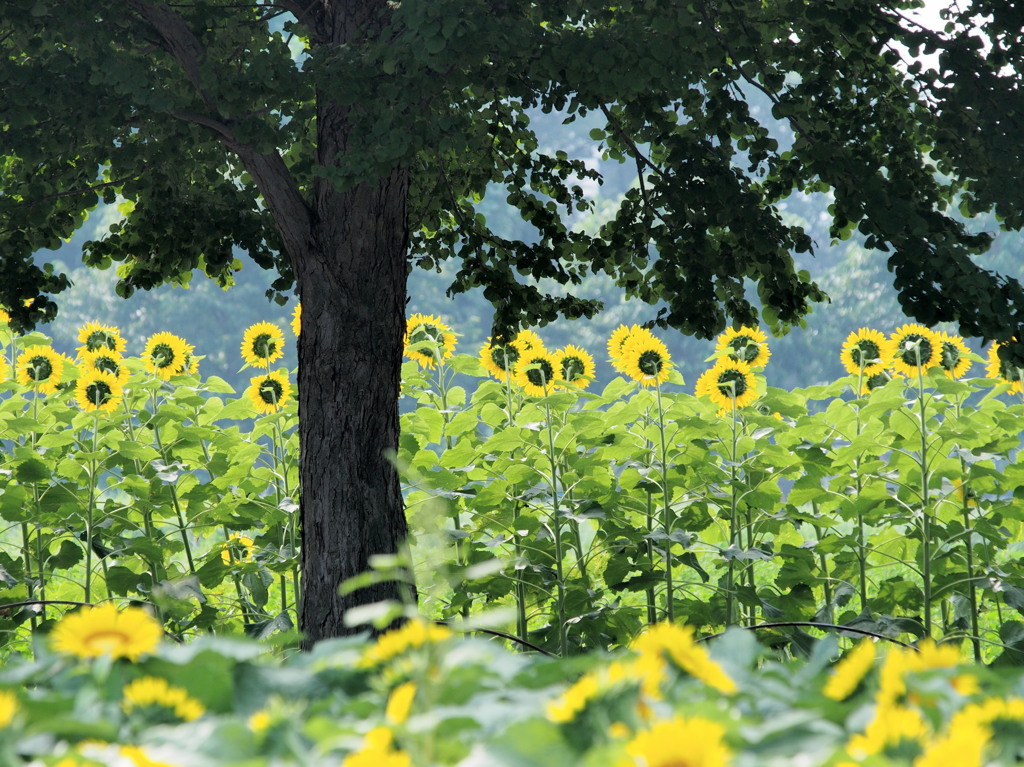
[
  {"x": 866, "y": 351},
  {"x": 574, "y": 366},
  {"x": 679, "y": 742},
  {"x": 262, "y": 344},
  {"x": 744, "y": 344},
  {"x": 915, "y": 348},
  {"x": 297, "y": 319},
  {"x": 400, "y": 703},
  {"x": 105, "y": 360},
  {"x": 570, "y": 703},
  {"x": 8, "y": 708},
  {"x": 377, "y": 751},
  {"x": 154, "y": 691},
  {"x": 891, "y": 726},
  {"x": 269, "y": 392},
  {"x": 962, "y": 746},
  {"x": 849, "y": 672},
  {"x": 413, "y": 634},
  {"x": 95, "y": 337},
  {"x": 140, "y": 758},
  {"x": 529, "y": 341},
  {"x": 103, "y": 630},
  {"x": 621, "y": 336},
  {"x": 953, "y": 355},
  {"x": 166, "y": 355},
  {"x": 678, "y": 643},
  {"x": 97, "y": 391},
  {"x": 238, "y": 548},
  {"x": 537, "y": 373},
  {"x": 501, "y": 359},
  {"x": 728, "y": 384},
  {"x": 428, "y": 341},
  {"x": 645, "y": 359},
  {"x": 5, "y": 318},
  {"x": 999, "y": 370},
  {"x": 41, "y": 368}
]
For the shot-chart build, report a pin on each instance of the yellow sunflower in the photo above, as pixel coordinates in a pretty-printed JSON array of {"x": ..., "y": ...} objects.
[
  {"x": 428, "y": 341},
  {"x": 262, "y": 344},
  {"x": 269, "y": 392},
  {"x": 154, "y": 691},
  {"x": 297, "y": 319},
  {"x": 619, "y": 338},
  {"x": 8, "y": 707},
  {"x": 996, "y": 368},
  {"x": 679, "y": 742},
  {"x": 866, "y": 351},
  {"x": 103, "y": 630},
  {"x": 849, "y": 672},
  {"x": 744, "y": 344},
  {"x": 645, "y": 359},
  {"x": 98, "y": 391},
  {"x": 529, "y": 341},
  {"x": 953, "y": 355},
  {"x": 914, "y": 348},
  {"x": 237, "y": 548},
  {"x": 106, "y": 361},
  {"x": 574, "y": 366},
  {"x": 41, "y": 368},
  {"x": 166, "y": 355},
  {"x": 395, "y": 642},
  {"x": 728, "y": 384},
  {"x": 141, "y": 758},
  {"x": 378, "y": 751},
  {"x": 500, "y": 359},
  {"x": 5, "y": 318},
  {"x": 94, "y": 336},
  {"x": 537, "y": 373}
]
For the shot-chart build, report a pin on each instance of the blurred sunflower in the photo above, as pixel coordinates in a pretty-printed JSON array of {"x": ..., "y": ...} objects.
[
  {"x": 151, "y": 691},
  {"x": 428, "y": 341},
  {"x": 93, "y": 336},
  {"x": 574, "y": 366},
  {"x": 166, "y": 355},
  {"x": 269, "y": 392},
  {"x": 678, "y": 742},
  {"x": 953, "y": 355},
  {"x": 744, "y": 344},
  {"x": 297, "y": 319},
  {"x": 728, "y": 384},
  {"x": 104, "y": 630},
  {"x": 262, "y": 344},
  {"x": 41, "y": 368},
  {"x": 914, "y": 348},
  {"x": 537, "y": 373},
  {"x": 500, "y": 359},
  {"x": 619, "y": 338},
  {"x": 645, "y": 359},
  {"x": 107, "y": 361},
  {"x": 866, "y": 351},
  {"x": 997, "y": 369},
  {"x": 97, "y": 391}
]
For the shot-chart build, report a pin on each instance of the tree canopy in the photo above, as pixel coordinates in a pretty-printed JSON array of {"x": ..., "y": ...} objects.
[{"x": 340, "y": 143}]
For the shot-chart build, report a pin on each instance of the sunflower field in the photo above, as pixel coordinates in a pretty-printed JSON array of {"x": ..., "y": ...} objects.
[{"x": 150, "y": 522}]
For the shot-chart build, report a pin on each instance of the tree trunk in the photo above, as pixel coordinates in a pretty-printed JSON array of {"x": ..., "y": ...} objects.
[{"x": 353, "y": 286}]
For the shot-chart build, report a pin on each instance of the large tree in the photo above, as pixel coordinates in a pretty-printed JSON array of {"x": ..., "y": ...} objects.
[{"x": 340, "y": 143}]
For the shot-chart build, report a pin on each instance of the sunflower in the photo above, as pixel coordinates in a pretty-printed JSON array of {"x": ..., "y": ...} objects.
[
  {"x": 728, "y": 383},
  {"x": 953, "y": 355},
  {"x": 103, "y": 630},
  {"x": 529, "y": 341},
  {"x": 617, "y": 341},
  {"x": 500, "y": 359},
  {"x": 915, "y": 347},
  {"x": 695, "y": 742},
  {"x": 166, "y": 355},
  {"x": 297, "y": 319},
  {"x": 106, "y": 361},
  {"x": 412, "y": 635},
  {"x": 875, "y": 380},
  {"x": 850, "y": 671},
  {"x": 996, "y": 368},
  {"x": 645, "y": 359},
  {"x": 98, "y": 391},
  {"x": 537, "y": 373},
  {"x": 94, "y": 336},
  {"x": 140, "y": 757},
  {"x": 269, "y": 392},
  {"x": 237, "y": 548},
  {"x": 428, "y": 340},
  {"x": 8, "y": 707},
  {"x": 41, "y": 368},
  {"x": 153, "y": 691},
  {"x": 744, "y": 344},
  {"x": 866, "y": 351},
  {"x": 262, "y": 344},
  {"x": 574, "y": 366},
  {"x": 5, "y": 318}
]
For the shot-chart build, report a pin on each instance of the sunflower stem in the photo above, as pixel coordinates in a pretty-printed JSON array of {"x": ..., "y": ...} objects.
[
  {"x": 666, "y": 509},
  {"x": 826, "y": 584},
  {"x": 733, "y": 518},
  {"x": 652, "y": 607},
  {"x": 173, "y": 488},
  {"x": 972, "y": 591},
  {"x": 862, "y": 549},
  {"x": 89, "y": 511},
  {"x": 926, "y": 551},
  {"x": 556, "y": 524}
]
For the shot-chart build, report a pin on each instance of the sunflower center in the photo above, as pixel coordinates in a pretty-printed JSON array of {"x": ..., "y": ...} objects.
[
  {"x": 505, "y": 356},
  {"x": 542, "y": 374},
  {"x": 264, "y": 346},
  {"x": 915, "y": 349},
  {"x": 744, "y": 349},
  {"x": 98, "y": 393},
  {"x": 878, "y": 379},
  {"x": 865, "y": 353},
  {"x": 100, "y": 339},
  {"x": 572, "y": 368},
  {"x": 950, "y": 356},
  {"x": 650, "y": 363},
  {"x": 732, "y": 383},
  {"x": 106, "y": 641},
  {"x": 271, "y": 391},
  {"x": 162, "y": 356},
  {"x": 40, "y": 369}
]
